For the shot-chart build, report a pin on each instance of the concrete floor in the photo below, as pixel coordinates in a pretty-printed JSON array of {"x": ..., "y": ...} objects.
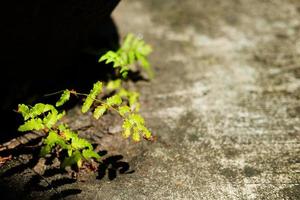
[{"x": 224, "y": 104}]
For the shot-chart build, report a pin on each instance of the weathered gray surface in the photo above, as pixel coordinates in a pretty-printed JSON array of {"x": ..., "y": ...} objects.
[
  {"x": 224, "y": 104},
  {"x": 225, "y": 101}
]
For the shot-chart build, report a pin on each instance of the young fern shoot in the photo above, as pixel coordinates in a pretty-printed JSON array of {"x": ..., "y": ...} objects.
[{"x": 132, "y": 50}]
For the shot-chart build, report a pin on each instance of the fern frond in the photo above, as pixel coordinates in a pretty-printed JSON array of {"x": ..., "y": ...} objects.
[
  {"x": 114, "y": 100},
  {"x": 63, "y": 98},
  {"x": 128, "y": 41},
  {"x": 113, "y": 84},
  {"x": 51, "y": 140},
  {"x": 126, "y": 128},
  {"x": 88, "y": 154},
  {"x": 124, "y": 110},
  {"x": 123, "y": 93},
  {"x": 39, "y": 109},
  {"x": 136, "y": 135},
  {"x": 97, "y": 88},
  {"x": 133, "y": 100},
  {"x": 24, "y": 110},
  {"x": 136, "y": 119},
  {"x": 34, "y": 120},
  {"x": 51, "y": 119},
  {"x": 124, "y": 71},
  {"x": 75, "y": 158},
  {"x": 35, "y": 111},
  {"x": 132, "y": 50},
  {"x": 66, "y": 133},
  {"x": 135, "y": 124},
  {"x": 80, "y": 143},
  {"x": 32, "y": 124},
  {"x": 99, "y": 111},
  {"x": 146, "y": 132}
]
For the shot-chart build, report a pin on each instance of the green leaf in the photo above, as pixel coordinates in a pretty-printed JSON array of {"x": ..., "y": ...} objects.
[
  {"x": 99, "y": 111},
  {"x": 68, "y": 134},
  {"x": 117, "y": 63},
  {"x": 62, "y": 127},
  {"x": 124, "y": 58},
  {"x": 147, "y": 134},
  {"x": 131, "y": 57},
  {"x": 133, "y": 98},
  {"x": 108, "y": 55},
  {"x": 123, "y": 110},
  {"x": 54, "y": 139},
  {"x": 136, "y": 107},
  {"x": 126, "y": 128},
  {"x": 80, "y": 143},
  {"x": 127, "y": 42},
  {"x": 60, "y": 115},
  {"x": 114, "y": 100},
  {"x": 87, "y": 104},
  {"x": 97, "y": 88},
  {"x": 145, "y": 50},
  {"x": 136, "y": 136},
  {"x": 76, "y": 158},
  {"x": 24, "y": 110},
  {"x": 45, "y": 150},
  {"x": 32, "y": 124},
  {"x": 64, "y": 98},
  {"x": 51, "y": 141},
  {"x": 124, "y": 71},
  {"x": 132, "y": 50},
  {"x": 114, "y": 84},
  {"x": 35, "y": 115},
  {"x": 39, "y": 109},
  {"x": 135, "y": 44},
  {"x": 123, "y": 93},
  {"x": 70, "y": 152},
  {"x": 136, "y": 119},
  {"x": 50, "y": 119},
  {"x": 88, "y": 154},
  {"x": 145, "y": 65}
]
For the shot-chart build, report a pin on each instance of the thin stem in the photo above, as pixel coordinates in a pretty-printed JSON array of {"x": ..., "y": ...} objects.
[
  {"x": 41, "y": 176},
  {"x": 83, "y": 94},
  {"x": 35, "y": 172},
  {"x": 54, "y": 93},
  {"x": 102, "y": 102}
]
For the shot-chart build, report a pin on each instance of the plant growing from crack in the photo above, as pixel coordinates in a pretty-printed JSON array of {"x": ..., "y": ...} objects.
[
  {"x": 62, "y": 140},
  {"x": 124, "y": 59}
]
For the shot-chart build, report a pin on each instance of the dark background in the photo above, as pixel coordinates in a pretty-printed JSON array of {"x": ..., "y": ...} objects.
[{"x": 47, "y": 46}]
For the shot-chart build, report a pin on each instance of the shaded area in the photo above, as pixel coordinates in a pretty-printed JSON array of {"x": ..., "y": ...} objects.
[
  {"x": 65, "y": 193},
  {"x": 112, "y": 166},
  {"x": 49, "y": 46},
  {"x": 54, "y": 182},
  {"x": 51, "y": 181}
]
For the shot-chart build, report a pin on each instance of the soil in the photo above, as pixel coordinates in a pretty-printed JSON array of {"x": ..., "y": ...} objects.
[{"x": 224, "y": 107}]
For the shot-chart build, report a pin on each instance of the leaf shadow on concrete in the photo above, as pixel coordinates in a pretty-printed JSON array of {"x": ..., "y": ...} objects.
[
  {"x": 33, "y": 183},
  {"x": 54, "y": 181},
  {"x": 113, "y": 165}
]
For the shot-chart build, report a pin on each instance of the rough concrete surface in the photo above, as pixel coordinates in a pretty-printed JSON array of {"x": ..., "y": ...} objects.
[{"x": 224, "y": 105}]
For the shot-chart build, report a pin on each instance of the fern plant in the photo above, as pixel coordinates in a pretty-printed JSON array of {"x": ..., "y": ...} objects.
[
  {"x": 46, "y": 117},
  {"x": 133, "y": 50},
  {"x": 61, "y": 138}
]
